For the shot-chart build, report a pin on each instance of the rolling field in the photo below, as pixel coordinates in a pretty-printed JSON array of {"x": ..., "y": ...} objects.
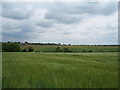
[
  {"x": 0, "y": 70},
  {"x": 60, "y": 70},
  {"x": 50, "y": 48}
]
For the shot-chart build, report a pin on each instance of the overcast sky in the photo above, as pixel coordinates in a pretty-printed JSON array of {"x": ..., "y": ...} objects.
[{"x": 61, "y": 22}]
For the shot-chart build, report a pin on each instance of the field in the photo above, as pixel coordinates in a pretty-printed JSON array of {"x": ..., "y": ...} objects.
[
  {"x": 0, "y": 70},
  {"x": 60, "y": 70},
  {"x": 51, "y": 48}
]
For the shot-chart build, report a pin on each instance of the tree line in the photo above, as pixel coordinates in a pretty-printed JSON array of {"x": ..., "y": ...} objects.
[
  {"x": 15, "y": 47},
  {"x": 28, "y": 43},
  {"x": 58, "y": 49}
]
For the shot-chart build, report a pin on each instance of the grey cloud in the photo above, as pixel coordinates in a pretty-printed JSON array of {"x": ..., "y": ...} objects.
[
  {"x": 52, "y": 25},
  {"x": 66, "y": 33},
  {"x": 27, "y": 27},
  {"x": 15, "y": 11},
  {"x": 9, "y": 25},
  {"x": 14, "y": 36},
  {"x": 111, "y": 27},
  {"x": 109, "y": 38},
  {"x": 66, "y": 13},
  {"x": 17, "y": 31},
  {"x": 61, "y": 18},
  {"x": 17, "y": 15},
  {"x": 57, "y": 13},
  {"x": 94, "y": 8},
  {"x": 45, "y": 24}
]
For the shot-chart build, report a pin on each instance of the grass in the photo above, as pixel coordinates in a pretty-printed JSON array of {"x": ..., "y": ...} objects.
[
  {"x": 73, "y": 48},
  {"x": 0, "y": 70},
  {"x": 60, "y": 70}
]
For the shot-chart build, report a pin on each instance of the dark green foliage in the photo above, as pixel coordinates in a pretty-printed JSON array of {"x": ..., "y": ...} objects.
[
  {"x": 0, "y": 47},
  {"x": 24, "y": 50},
  {"x": 30, "y": 49},
  {"x": 11, "y": 47},
  {"x": 101, "y": 50},
  {"x": 66, "y": 50},
  {"x": 90, "y": 51},
  {"x": 58, "y": 49},
  {"x": 83, "y": 51}
]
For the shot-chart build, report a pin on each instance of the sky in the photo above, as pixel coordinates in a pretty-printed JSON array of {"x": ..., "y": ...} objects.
[{"x": 60, "y": 22}]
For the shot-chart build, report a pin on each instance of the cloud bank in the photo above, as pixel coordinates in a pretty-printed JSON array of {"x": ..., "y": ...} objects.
[{"x": 61, "y": 22}]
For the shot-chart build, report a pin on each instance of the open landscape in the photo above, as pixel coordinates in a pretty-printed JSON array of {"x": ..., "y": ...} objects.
[
  {"x": 60, "y": 70},
  {"x": 59, "y": 44}
]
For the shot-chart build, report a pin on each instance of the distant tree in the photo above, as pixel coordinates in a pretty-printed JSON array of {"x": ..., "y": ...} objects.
[
  {"x": 4, "y": 47},
  {"x": 59, "y": 44},
  {"x": 8, "y": 42},
  {"x": 15, "y": 47},
  {"x": 26, "y": 42},
  {"x": 11, "y": 47},
  {"x": 58, "y": 49},
  {"x": 64, "y": 44},
  {"x": 24, "y": 50},
  {"x": 83, "y": 51},
  {"x": 90, "y": 51},
  {"x": 101, "y": 50},
  {"x": 30, "y": 49},
  {"x": 65, "y": 50}
]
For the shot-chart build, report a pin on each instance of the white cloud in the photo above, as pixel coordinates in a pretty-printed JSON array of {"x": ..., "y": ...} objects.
[{"x": 75, "y": 23}]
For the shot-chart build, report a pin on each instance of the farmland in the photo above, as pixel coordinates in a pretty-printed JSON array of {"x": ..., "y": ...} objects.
[
  {"x": 73, "y": 48},
  {"x": 60, "y": 70}
]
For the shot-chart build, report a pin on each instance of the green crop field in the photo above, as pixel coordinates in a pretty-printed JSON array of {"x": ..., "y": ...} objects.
[
  {"x": 0, "y": 70},
  {"x": 60, "y": 70}
]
